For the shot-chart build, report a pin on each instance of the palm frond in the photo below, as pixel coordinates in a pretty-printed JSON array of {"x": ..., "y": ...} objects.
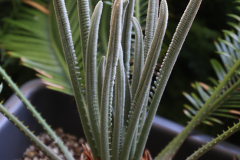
[
  {"x": 228, "y": 101},
  {"x": 34, "y": 38}
]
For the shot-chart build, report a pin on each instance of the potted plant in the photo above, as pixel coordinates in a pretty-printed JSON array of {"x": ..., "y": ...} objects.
[
  {"x": 119, "y": 130},
  {"x": 47, "y": 102}
]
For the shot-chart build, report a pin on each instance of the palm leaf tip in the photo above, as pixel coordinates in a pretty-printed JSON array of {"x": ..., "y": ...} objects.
[
  {"x": 49, "y": 84},
  {"x": 37, "y": 6}
]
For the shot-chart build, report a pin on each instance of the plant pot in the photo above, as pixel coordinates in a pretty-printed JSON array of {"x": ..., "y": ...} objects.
[{"x": 60, "y": 111}]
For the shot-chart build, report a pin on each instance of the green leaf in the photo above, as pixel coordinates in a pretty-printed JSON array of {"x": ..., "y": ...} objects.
[
  {"x": 219, "y": 70},
  {"x": 126, "y": 34},
  {"x": 228, "y": 99},
  {"x": 192, "y": 100},
  {"x": 47, "y": 151},
  {"x": 214, "y": 142},
  {"x": 138, "y": 56},
  {"x": 164, "y": 73},
  {"x": 152, "y": 16},
  {"x": 84, "y": 25},
  {"x": 189, "y": 108},
  {"x": 119, "y": 109},
  {"x": 91, "y": 73},
  {"x": 37, "y": 115},
  {"x": 101, "y": 70},
  {"x": 138, "y": 65},
  {"x": 114, "y": 46},
  {"x": 71, "y": 60},
  {"x": 35, "y": 39},
  {"x": 144, "y": 83}
]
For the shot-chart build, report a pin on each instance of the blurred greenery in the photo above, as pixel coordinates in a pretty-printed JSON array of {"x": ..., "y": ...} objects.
[
  {"x": 193, "y": 63},
  {"x": 19, "y": 73}
]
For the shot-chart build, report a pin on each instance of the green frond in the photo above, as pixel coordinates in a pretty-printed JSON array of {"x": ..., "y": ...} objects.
[
  {"x": 227, "y": 107},
  {"x": 194, "y": 101},
  {"x": 219, "y": 70},
  {"x": 47, "y": 151},
  {"x": 84, "y": 25},
  {"x": 138, "y": 65},
  {"x": 125, "y": 5},
  {"x": 114, "y": 46},
  {"x": 91, "y": 73},
  {"x": 119, "y": 103},
  {"x": 150, "y": 25},
  {"x": 38, "y": 44},
  {"x": 37, "y": 116},
  {"x": 128, "y": 102},
  {"x": 138, "y": 56},
  {"x": 214, "y": 142},
  {"x": 164, "y": 73},
  {"x": 145, "y": 80},
  {"x": 101, "y": 70},
  {"x": 71, "y": 60},
  {"x": 236, "y": 17},
  {"x": 228, "y": 50},
  {"x": 126, "y": 34}
]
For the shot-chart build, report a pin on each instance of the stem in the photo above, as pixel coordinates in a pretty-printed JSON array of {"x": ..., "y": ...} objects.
[
  {"x": 28, "y": 134},
  {"x": 197, "y": 154},
  {"x": 37, "y": 116}
]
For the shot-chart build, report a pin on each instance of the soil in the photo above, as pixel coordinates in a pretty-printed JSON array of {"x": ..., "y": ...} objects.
[{"x": 73, "y": 144}]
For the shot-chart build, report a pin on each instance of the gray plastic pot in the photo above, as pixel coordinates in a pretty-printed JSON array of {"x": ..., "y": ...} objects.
[{"x": 60, "y": 111}]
